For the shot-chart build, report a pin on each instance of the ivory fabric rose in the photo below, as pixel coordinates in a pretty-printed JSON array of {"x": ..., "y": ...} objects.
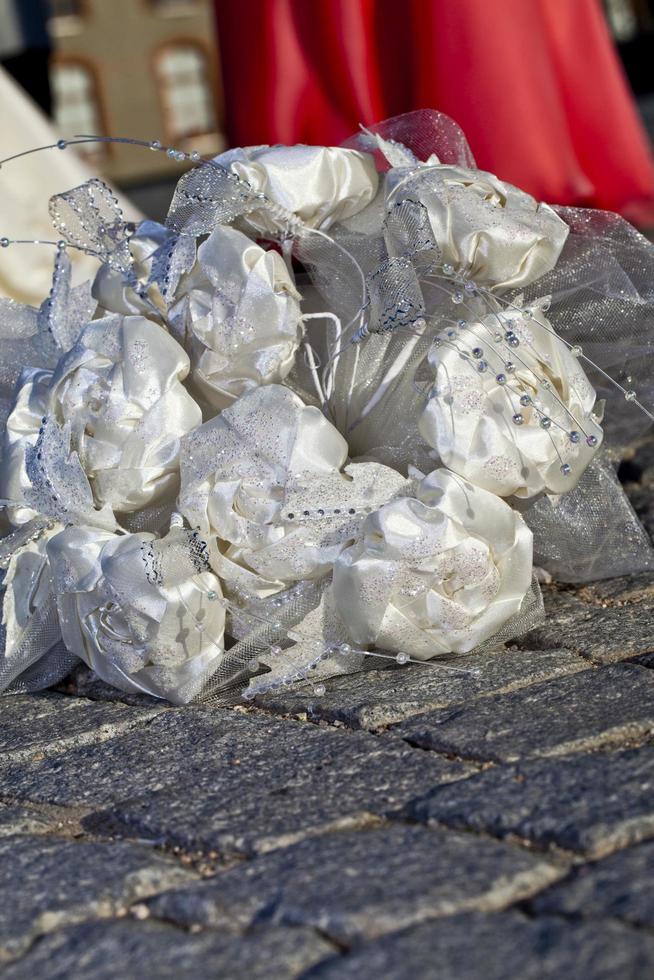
[
  {"x": 138, "y": 630},
  {"x": 266, "y": 482},
  {"x": 27, "y": 602},
  {"x": 485, "y": 228},
  {"x": 320, "y": 185},
  {"x": 511, "y": 408},
  {"x": 121, "y": 388},
  {"x": 242, "y": 317},
  {"x": 22, "y": 430},
  {"x": 436, "y": 574}
]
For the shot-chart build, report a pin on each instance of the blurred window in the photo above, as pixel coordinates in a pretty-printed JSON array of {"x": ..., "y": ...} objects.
[
  {"x": 183, "y": 75},
  {"x": 76, "y": 103}
]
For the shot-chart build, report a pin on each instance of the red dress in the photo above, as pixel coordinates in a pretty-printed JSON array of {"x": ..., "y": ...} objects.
[{"x": 535, "y": 84}]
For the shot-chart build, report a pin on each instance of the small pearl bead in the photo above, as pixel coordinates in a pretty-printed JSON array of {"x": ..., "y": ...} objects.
[
  {"x": 525, "y": 400},
  {"x": 576, "y": 350},
  {"x": 344, "y": 649},
  {"x": 565, "y": 469},
  {"x": 448, "y": 269},
  {"x": 402, "y": 658},
  {"x": 4, "y": 242},
  {"x": 518, "y": 419},
  {"x": 61, "y": 144},
  {"x": 275, "y": 650},
  {"x": 457, "y": 297},
  {"x": 574, "y": 436},
  {"x": 319, "y": 690},
  {"x": 155, "y": 145},
  {"x": 501, "y": 379},
  {"x": 591, "y": 440},
  {"x": 545, "y": 422},
  {"x": 630, "y": 396},
  {"x": 482, "y": 366},
  {"x": 462, "y": 324},
  {"x": 477, "y": 352},
  {"x": 509, "y": 367}
]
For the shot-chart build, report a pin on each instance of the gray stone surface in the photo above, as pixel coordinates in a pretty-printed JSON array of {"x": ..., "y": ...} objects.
[
  {"x": 619, "y": 887},
  {"x": 606, "y": 705},
  {"x": 131, "y": 950},
  {"x": 375, "y": 698},
  {"x": 47, "y": 883},
  {"x": 599, "y": 631},
  {"x": 592, "y": 804},
  {"x": 357, "y": 885},
  {"x": 34, "y": 725},
  {"x": 140, "y": 840},
  {"x": 217, "y": 780},
  {"x": 507, "y": 946},
  {"x": 22, "y": 820}
]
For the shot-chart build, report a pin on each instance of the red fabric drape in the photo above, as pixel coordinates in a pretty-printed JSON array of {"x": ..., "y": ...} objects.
[{"x": 535, "y": 84}]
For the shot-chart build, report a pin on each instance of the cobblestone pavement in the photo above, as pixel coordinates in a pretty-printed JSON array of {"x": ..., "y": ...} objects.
[{"x": 411, "y": 823}]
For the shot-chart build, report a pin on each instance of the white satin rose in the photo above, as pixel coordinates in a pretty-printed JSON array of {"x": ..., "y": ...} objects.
[
  {"x": 28, "y": 613},
  {"x": 486, "y": 229},
  {"x": 511, "y": 408},
  {"x": 22, "y": 430},
  {"x": 134, "y": 630},
  {"x": 121, "y": 388},
  {"x": 319, "y": 185},
  {"x": 113, "y": 292},
  {"x": 241, "y": 315},
  {"x": 267, "y": 485},
  {"x": 437, "y": 574}
]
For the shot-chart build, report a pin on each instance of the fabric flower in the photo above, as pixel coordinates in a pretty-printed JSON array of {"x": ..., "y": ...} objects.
[
  {"x": 511, "y": 407},
  {"x": 320, "y": 185},
  {"x": 266, "y": 482},
  {"x": 242, "y": 316},
  {"x": 137, "y": 628},
  {"x": 486, "y": 229},
  {"x": 437, "y": 574},
  {"x": 29, "y": 407},
  {"x": 121, "y": 388},
  {"x": 28, "y": 601}
]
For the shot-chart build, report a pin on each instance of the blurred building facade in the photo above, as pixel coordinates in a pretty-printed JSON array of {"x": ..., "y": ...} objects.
[{"x": 139, "y": 68}]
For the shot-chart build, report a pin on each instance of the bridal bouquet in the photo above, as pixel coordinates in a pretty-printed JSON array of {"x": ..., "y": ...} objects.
[{"x": 341, "y": 405}]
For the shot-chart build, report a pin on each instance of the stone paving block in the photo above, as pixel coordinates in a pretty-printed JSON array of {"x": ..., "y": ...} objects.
[
  {"x": 33, "y": 725},
  {"x": 592, "y": 804},
  {"x": 356, "y": 885},
  {"x": 375, "y": 698},
  {"x": 219, "y": 780},
  {"x": 603, "y": 634},
  {"x": 132, "y": 950},
  {"x": 22, "y": 820},
  {"x": 617, "y": 592},
  {"x": 605, "y": 705},
  {"x": 620, "y": 886},
  {"x": 48, "y": 882},
  {"x": 176, "y": 747},
  {"x": 505, "y": 946}
]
